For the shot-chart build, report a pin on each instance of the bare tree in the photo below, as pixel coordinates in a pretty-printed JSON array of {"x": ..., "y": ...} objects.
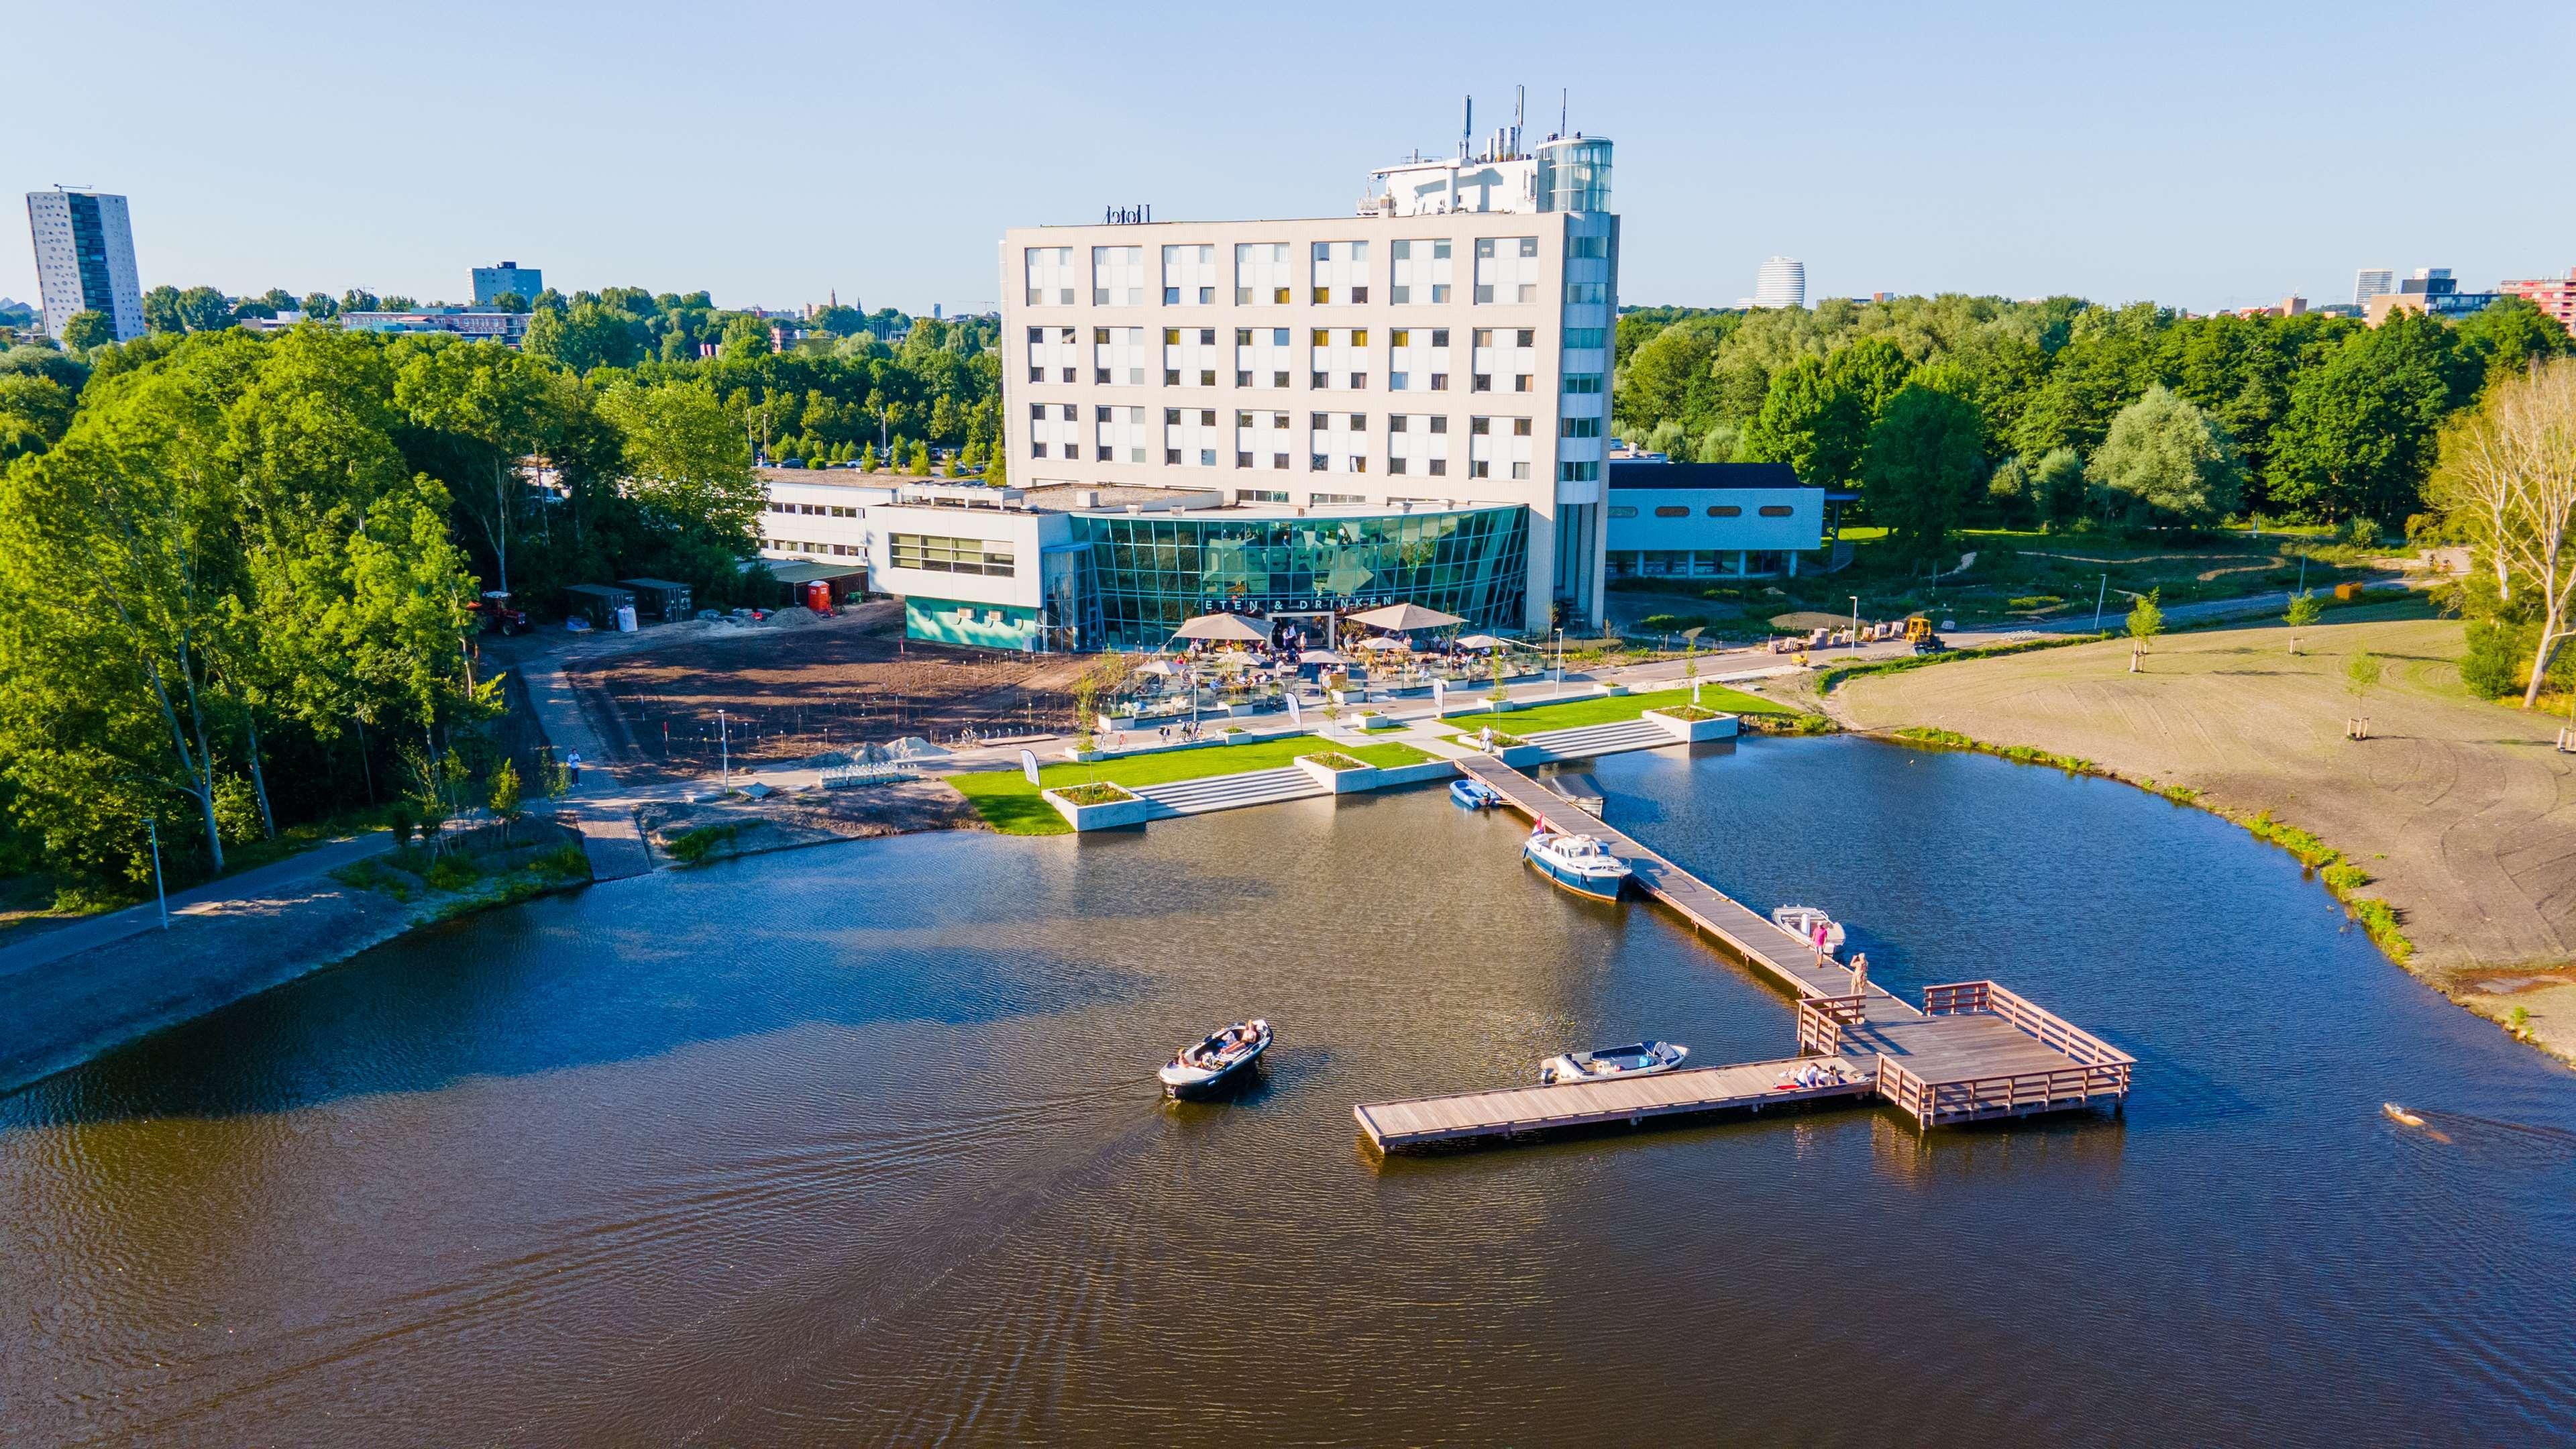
[
  {"x": 2535, "y": 424},
  {"x": 2475, "y": 488}
]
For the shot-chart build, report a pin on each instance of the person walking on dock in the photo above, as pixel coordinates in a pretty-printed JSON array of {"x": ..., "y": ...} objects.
[{"x": 1860, "y": 973}]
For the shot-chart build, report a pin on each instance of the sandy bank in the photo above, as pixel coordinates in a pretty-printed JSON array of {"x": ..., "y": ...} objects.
[{"x": 2462, "y": 811}]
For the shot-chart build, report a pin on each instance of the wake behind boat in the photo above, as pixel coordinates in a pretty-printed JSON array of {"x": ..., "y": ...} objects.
[
  {"x": 1580, "y": 863},
  {"x": 1637, "y": 1059},
  {"x": 1216, "y": 1061}
]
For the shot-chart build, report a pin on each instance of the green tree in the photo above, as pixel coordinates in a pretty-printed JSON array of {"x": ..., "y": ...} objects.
[
  {"x": 918, "y": 463},
  {"x": 2360, "y": 434},
  {"x": 358, "y": 299},
  {"x": 2361, "y": 675},
  {"x": 1671, "y": 379},
  {"x": 2303, "y": 613},
  {"x": 1810, "y": 422},
  {"x": 2146, "y": 621},
  {"x": 487, "y": 403},
  {"x": 1926, "y": 461},
  {"x": 35, "y": 412},
  {"x": 2506, "y": 339},
  {"x": 2165, "y": 463},
  {"x": 2057, "y": 487},
  {"x": 506, "y": 798},
  {"x": 161, "y": 310},
  {"x": 318, "y": 305},
  {"x": 686, "y": 458},
  {"x": 588, "y": 335},
  {"x": 510, "y": 302},
  {"x": 86, "y": 330},
  {"x": 203, "y": 309},
  {"x": 746, "y": 337}
]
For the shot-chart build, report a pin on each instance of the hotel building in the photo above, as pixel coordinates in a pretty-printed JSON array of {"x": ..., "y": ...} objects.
[
  {"x": 1295, "y": 419},
  {"x": 85, "y": 259}
]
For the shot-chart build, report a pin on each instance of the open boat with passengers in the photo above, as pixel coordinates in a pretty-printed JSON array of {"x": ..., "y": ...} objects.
[
  {"x": 1580, "y": 863},
  {"x": 1637, "y": 1059},
  {"x": 1801, "y": 922},
  {"x": 1217, "y": 1061}
]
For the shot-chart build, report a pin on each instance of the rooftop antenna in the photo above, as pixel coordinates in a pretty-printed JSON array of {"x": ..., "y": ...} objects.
[
  {"x": 1467, "y": 131},
  {"x": 1520, "y": 101},
  {"x": 1564, "y": 103}
]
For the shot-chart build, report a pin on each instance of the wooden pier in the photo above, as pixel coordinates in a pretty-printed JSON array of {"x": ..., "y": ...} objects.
[{"x": 1972, "y": 1051}]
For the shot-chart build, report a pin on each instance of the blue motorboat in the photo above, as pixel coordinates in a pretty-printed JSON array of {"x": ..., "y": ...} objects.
[
  {"x": 1580, "y": 863},
  {"x": 1474, "y": 794}
]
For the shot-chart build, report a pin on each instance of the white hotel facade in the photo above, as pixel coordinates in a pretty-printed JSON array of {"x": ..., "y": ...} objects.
[{"x": 1295, "y": 419}]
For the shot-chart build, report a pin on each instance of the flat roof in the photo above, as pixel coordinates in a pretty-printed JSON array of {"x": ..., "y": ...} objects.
[
  {"x": 810, "y": 571},
  {"x": 1639, "y": 473}
]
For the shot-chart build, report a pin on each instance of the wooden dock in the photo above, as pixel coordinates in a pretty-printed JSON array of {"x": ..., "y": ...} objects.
[{"x": 1970, "y": 1052}]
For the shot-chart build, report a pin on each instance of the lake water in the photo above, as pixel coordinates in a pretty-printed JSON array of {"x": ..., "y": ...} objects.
[{"x": 861, "y": 1145}]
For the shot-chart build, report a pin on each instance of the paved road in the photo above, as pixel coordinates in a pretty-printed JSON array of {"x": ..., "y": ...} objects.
[{"x": 206, "y": 900}]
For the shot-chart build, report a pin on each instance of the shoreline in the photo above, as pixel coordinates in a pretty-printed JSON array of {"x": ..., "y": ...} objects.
[{"x": 2412, "y": 928}]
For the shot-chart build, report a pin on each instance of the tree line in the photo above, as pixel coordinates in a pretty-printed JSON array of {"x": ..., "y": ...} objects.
[
  {"x": 239, "y": 572},
  {"x": 1953, "y": 411}
]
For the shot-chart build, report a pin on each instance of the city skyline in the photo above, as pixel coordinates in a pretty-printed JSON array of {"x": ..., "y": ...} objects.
[{"x": 1990, "y": 156}]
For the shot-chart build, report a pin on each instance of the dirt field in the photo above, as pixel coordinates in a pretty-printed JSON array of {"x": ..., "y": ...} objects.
[
  {"x": 2462, "y": 809},
  {"x": 812, "y": 817},
  {"x": 802, "y": 692}
]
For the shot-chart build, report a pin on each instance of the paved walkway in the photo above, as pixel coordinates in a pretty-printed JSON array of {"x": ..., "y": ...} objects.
[{"x": 214, "y": 898}]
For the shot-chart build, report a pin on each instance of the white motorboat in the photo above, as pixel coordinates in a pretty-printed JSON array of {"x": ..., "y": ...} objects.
[
  {"x": 1580, "y": 863},
  {"x": 1637, "y": 1059},
  {"x": 1217, "y": 1060},
  {"x": 1800, "y": 921}
]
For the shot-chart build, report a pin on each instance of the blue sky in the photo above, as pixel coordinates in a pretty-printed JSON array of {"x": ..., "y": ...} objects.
[{"x": 2200, "y": 155}]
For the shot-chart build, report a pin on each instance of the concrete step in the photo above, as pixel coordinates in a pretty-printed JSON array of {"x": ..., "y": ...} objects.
[
  {"x": 1602, "y": 739},
  {"x": 1224, "y": 792}
]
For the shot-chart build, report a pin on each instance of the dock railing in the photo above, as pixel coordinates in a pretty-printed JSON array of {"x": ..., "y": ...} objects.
[
  {"x": 1821, "y": 1020},
  {"x": 2052, "y": 1030},
  {"x": 1934, "y": 1104}
]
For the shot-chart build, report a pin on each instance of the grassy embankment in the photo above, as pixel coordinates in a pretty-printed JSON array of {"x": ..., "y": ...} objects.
[
  {"x": 464, "y": 880},
  {"x": 1011, "y": 804},
  {"x": 1616, "y": 709}
]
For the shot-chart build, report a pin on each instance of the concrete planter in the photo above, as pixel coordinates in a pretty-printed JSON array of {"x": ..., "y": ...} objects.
[
  {"x": 1378, "y": 722},
  {"x": 1134, "y": 810},
  {"x": 1692, "y": 731},
  {"x": 1340, "y": 782},
  {"x": 1415, "y": 774}
]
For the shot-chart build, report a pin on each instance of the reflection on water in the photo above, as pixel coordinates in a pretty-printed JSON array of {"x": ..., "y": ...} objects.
[{"x": 862, "y": 1144}]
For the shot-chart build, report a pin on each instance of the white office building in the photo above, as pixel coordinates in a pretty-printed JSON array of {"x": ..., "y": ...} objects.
[
  {"x": 85, "y": 259},
  {"x": 1407, "y": 404},
  {"x": 1782, "y": 282}
]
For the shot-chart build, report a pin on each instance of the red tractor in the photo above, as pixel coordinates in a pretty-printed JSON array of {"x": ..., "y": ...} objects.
[{"x": 498, "y": 616}]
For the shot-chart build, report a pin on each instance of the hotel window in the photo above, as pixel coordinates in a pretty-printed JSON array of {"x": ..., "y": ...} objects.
[
  {"x": 1672, "y": 510},
  {"x": 1261, "y": 495},
  {"x": 1725, "y": 510},
  {"x": 1189, "y": 275},
  {"x": 1585, "y": 336},
  {"x": 1118, "y": 355},
  {"x": 1588, "y": 246},
  {"x": 1578, "y": 427},
  {"x": 1340, "y": 272},
  {"x": 1050, "y": 279},
  {"x": 1581, "y": 473},
  {"x": 1332, "y": 498},
  {"x": 1777, "y": 510},
  {"x": 1118, "y": 276},
  {"x": 1262, "y": 274},
  {"x": 1507, "y": 269},
  {"x": 1582, "y": 382},
  {"x": 994, "y": 558}
]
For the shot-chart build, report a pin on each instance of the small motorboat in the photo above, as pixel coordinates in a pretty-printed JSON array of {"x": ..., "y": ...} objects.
[
  {"x": 1472, "y": 794},
  {"x": 1580, "y": 863},
  {"x": 2400, "y": 1114},
  {"x": 1216, "y": 1061},
  {"x": 1800, "y": 921},
  {"x": 1636, "y": 1059}
]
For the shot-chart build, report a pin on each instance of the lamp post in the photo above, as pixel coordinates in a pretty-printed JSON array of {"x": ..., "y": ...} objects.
[
  {"x": 724, "y": 750},
  {"x": 2099, "y": 596},
  {"x": 159, "y": 891},
  {"x": 1855, "y": 621},
  {"x": 1559, "y": 687}
]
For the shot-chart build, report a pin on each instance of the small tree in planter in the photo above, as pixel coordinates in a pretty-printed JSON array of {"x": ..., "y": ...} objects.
[
  {"x": 2303, "y": 614},
  {"x": 506, "y": 798},
  {"x": 1500, "y": 692},
  {"x": 2146, "y": 621},
  {"x": 2361, "y": 676}
]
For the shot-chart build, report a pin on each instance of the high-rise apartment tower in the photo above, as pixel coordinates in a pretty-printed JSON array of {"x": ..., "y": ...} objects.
[{"x": 85, "y": 259}]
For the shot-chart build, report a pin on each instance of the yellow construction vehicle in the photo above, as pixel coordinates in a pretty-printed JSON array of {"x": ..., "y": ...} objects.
[{"x": 1918, "y": 632}]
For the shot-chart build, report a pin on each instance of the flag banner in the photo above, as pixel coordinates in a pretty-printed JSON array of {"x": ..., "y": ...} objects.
[{"x": 1029, "y": 765}]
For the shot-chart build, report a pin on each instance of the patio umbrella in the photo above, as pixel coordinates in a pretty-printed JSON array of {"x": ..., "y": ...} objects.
[
  {"x": 1388, "y": 641},
  {"x": 1401, "y": 617},
  {"x": 1322, "y": 656},
  {"x": 1480, "y": 641},
  {"x": 1224, "y": 628},
  {"x": 1158, "y": 666}
]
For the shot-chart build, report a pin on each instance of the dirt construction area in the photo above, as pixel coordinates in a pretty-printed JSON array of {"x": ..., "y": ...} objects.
[
  {"x": 2463, "y": 810},
  {"x": 796, "y": 693}
]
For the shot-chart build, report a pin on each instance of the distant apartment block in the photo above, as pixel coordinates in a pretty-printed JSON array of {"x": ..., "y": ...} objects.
[
  {"x": 2431, "y": 290},
  {"x": 1782, "y": 282},
  {"x": 480, "y": 323},
  {"x": 85, "y": 259},
  {"x": 2553, "y": 295},
  {"x": 494, "y": 282},
  {"x": 2371, "y": 282}
]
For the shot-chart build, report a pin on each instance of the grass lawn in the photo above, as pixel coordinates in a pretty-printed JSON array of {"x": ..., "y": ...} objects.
[
  {"x": 1616, "y": 708},
  {"x": 1011, "y": 805}
]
